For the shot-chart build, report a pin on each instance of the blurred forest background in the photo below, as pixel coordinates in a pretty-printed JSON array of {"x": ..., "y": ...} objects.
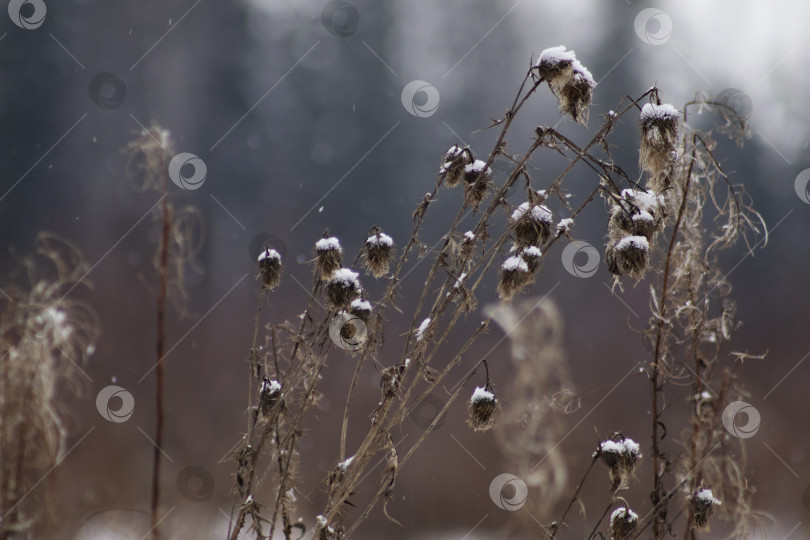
[{"x": 301, "y": 126}]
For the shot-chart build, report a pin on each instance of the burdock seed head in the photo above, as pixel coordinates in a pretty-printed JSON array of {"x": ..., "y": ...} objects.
[
  {"x": 620, "y": 456},
  {"x": 532, "y": 256},
  {"x": 533, "y": 225},
  {"x": 482, "y": 407},
  {"x": 378, "y": 251},
  {"x": 455, "y": 160},
  {"x": 270, "y": 268},
  {"x": 476, "y": 181},
  {"x": 515, "y": 275},
  {"x": 342, "y": 287},
  {"x": 623, "y": 522},
  {"x": 631, "y": 255},
  {"x": 328, "y": 256},
  {"x": 703, "y": 504},
  {"x": 659, "y": 138}
]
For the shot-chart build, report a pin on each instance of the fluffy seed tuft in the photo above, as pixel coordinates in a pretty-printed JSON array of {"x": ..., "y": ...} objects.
[
  {"x": 342, "y": 287},
  {"x": 378, "y": 251},
  {"x": 270, "y": 268},
  {"x": 482, "y": 408}
]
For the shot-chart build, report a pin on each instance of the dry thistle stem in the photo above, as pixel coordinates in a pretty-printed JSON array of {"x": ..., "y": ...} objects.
[
  {"x": 659, "y": 127},
  {"x": 342, "y": 287},
  {"x": 703, "y": 503},
  {"x": 482, "y": 408},
  {"x": 621, "y": 458},
  {"x": 455, "y": 161},
  {"x": 623, "y": 522},
  {"x": 515, "y": 275},
  {"x": 270, "y": 268},
  {"x": 378, "y": 252},
  {"x": 570, "y": 82},
  {"x": 328, "y": 256}
]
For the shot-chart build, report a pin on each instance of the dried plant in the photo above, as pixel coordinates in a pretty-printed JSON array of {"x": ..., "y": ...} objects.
[{"x": 661, "y": 231}]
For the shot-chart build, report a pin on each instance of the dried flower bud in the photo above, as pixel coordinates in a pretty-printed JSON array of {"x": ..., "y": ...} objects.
[
  {"x": 328, "y": 256},
  {"x": 569, "y": 81},
  {"x": 531, "y": 255},
  {"x": 482, "y": 408},
  {"x": 532, "y": 225},
  {"x": 620, "y": 457},
  {"x": 269, "y": 392},
  {"x": 703, "y": 503},
  {"x": 270, "y": 268},
  {"x": 378, "y": 252},
  {"x": 455, "y": 161},
  {"x": 659, "y": 137},
  {"x": 629, "y": 256},
  {"x": 360, "y": 309},
  {"x": 638, "y": 213},
  {"x": 515, "y": 275},
  {"x": 342, "y": 287},
  {"x": 467, "y": 244},
  {"x": 476, "y": 179},
  {"x": 623, "y": 522}
]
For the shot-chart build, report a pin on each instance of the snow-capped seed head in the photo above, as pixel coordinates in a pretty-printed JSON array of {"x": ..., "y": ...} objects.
[
  {"x": 620, "y": 456},
  {"x": 482, "y": 408},
  {"x": 360, "y": 309},
  {"x": 342, "y": 287},
  {"x": 378, "y": 252},
  {"x": 467, "y": 244},
  {"x": 659, "y": 138},
  {"x": 565, "y": 225},
  {"x": 531, "y": 255},
  {"x": 269, "y": 268},
  {"x": 476, "y": 180},
  {"x": 532, "y": 224},
  {"x": 269, "y": 392},
  {"x": 453, "y": 169},
  {"x": 703, "y": 503},
  {"x": 623, "y": 522},
  {"x": 328, "y": 256},
  {"x": 631, "y": 255},
  {"x": 515, "y": 275},
  {"x": 638, "y": 213},
  {"x": 570, "y": 82}
]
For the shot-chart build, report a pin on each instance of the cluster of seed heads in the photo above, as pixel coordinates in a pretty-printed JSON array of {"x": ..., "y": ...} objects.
[
  {"x": 460, "y": 164},
  {"x": 620, "y": 455}
]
